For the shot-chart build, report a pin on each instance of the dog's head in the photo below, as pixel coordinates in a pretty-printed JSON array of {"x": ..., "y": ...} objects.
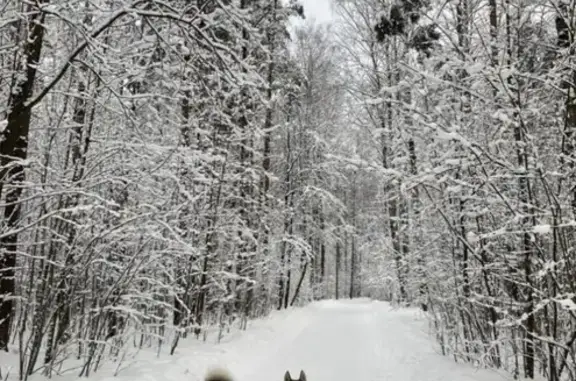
[{"x": 302, "y": 376}]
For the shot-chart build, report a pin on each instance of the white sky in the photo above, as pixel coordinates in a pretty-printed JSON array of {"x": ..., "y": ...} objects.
[{"x": 320, "y": 10}]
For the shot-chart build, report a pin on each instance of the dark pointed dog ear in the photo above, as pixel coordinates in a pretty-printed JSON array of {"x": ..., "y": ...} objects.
[
  {"x": 287, "y": 376},
  {"x": 302, "y": 376}
]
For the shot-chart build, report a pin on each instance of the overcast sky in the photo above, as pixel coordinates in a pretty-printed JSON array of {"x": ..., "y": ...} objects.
[{"x": 320, "y": 10}]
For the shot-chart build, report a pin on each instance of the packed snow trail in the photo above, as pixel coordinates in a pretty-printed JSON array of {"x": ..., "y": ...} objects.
[{"x": 360, "y": 341}]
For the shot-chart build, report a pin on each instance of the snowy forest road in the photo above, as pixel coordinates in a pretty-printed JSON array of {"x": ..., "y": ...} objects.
[{"x": 360, "y": 341}]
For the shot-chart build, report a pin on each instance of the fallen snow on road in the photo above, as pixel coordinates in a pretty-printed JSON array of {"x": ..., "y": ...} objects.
[
  {"x": 363, "y": 340},
  {"x": 353, "y": 340}
]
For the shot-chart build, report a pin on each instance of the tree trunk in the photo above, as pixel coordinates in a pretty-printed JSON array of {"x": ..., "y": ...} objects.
[
  {"x": 299, "y": 285},
  {"x": 337, "y": 270},
  {"x": 13, "y": 151}
]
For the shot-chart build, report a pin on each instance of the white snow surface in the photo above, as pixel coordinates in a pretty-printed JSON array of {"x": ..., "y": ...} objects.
[
  {"x": 351, "y": 340},
  {"x": 542, "y": 229}
]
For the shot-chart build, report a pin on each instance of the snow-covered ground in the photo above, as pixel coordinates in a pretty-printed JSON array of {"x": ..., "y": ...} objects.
[{"x": 358, "y": 340}]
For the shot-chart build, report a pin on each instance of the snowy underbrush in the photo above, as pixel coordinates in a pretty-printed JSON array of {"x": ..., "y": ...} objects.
[
  {"x": 504, "y": 356},
  {"x": 135, "y": 356}
]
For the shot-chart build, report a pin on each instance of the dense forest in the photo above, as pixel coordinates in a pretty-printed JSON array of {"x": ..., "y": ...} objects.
[{"x": 170, "y": 169}]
